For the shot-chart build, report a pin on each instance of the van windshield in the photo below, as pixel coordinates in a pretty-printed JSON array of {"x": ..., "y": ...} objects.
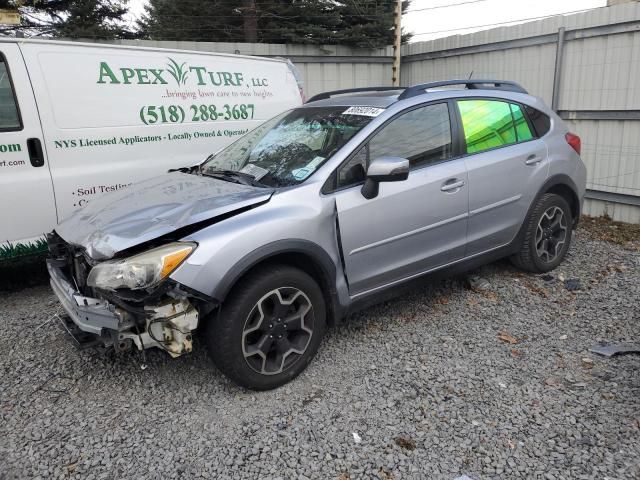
[{"x": 287, "y": 149}]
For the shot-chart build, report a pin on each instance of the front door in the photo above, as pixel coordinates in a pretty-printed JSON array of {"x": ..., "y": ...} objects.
[
  {"x": 27, "y": 205},
  {"x": 414, "y": 225}
]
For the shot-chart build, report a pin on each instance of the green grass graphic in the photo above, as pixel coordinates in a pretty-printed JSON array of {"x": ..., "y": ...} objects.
[
  {"x": 178, "y": 72},
  {"x": 20, "y": 250}
]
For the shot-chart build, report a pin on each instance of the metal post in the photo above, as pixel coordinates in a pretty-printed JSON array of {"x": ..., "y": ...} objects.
[
  {"x": 557, "y": 73},
  {"x": 397, "y": 20}
]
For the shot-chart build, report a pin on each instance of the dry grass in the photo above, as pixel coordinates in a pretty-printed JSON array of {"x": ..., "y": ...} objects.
[{"x": 620, "y": 233}]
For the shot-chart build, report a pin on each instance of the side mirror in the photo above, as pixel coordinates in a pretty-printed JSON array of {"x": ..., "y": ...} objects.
[{"x": 384, "y": 169}]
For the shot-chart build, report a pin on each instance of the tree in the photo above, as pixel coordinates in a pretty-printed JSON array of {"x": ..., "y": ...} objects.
[
  {"x": 250, "y": 20},
  {"x": 100, "y": 19},
  {"x": 359, "y": 23},
  {"x": 368, "y": 23},
  {"x": 298, "y": 21},
  {"x": 192, "y": 20}
]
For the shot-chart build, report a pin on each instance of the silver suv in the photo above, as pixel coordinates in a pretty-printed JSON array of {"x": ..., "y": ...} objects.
[{"x": 314, "y": 214}]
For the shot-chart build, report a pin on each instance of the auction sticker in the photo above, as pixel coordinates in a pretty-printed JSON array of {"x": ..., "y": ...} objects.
[
  {"x": 364, "y": 111},
  {"x": 254, "y": 170}
]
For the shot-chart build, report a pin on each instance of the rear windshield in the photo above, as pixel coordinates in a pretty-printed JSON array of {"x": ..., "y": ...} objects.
[{"x": 290, "y": 147}]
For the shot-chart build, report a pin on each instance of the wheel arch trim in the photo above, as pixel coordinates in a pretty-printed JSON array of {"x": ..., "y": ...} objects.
[
  {"x": 319, "y": 256},
  {"x": 561, "y": 180}
]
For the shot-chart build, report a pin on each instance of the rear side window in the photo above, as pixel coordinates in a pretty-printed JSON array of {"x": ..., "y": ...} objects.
[
  {"x": 9, "y": 117},
  {"x": 489, "y": 124},
  {"x": 523, "y": 131},
  {"x": 541, "y": 122}
]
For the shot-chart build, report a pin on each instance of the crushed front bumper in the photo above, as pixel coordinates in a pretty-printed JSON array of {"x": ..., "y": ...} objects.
[
  {"x": 166, "y": 324},
  {"x": 90, "y": 315}
]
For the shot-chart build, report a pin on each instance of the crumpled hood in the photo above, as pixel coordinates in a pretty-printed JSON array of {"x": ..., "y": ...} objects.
[{"x": 152, "y": 208}]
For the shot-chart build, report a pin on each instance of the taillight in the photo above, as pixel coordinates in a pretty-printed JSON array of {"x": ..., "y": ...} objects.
[{"x": 574, "y": 142}]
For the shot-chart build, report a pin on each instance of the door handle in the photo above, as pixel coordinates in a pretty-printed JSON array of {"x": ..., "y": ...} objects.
[
  {"x": 453, "y": 184},
  {"x": 36, "y": 155},
  {"x": 533, "y": 160}
]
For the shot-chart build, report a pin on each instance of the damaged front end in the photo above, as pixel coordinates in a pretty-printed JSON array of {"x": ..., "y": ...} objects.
[{"x": 126, "y": 302}]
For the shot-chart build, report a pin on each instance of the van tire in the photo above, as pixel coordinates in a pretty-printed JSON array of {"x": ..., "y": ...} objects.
[
  {"x": 539, "y": 227},
  {"x": 256, "y": 318}
]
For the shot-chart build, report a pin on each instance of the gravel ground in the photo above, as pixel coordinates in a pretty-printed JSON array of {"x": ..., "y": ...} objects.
[{"x": 442, "y": 382}]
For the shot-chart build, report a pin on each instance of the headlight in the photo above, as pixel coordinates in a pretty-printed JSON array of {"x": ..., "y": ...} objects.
[{"x": 140, "y": 271}]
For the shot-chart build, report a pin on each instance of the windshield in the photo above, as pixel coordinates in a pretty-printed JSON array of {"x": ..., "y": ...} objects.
[{"x": 288, "y": 148}]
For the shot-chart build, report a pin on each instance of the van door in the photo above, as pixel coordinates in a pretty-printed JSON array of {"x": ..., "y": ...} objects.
[{"x": 27, "y": 204}]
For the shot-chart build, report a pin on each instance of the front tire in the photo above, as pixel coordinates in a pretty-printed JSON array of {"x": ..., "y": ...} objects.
[
  {"x": 269, "y": 329},
  {"x": 547, "y": 236}
]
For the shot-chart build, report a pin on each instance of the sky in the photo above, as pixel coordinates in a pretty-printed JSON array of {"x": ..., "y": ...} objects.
[
  {"x": 483, "y": 12},
  {"x": 464, "y": 18}
]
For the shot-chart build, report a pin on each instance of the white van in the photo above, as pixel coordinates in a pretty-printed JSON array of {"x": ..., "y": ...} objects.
[{"x": 78, "y": 120}]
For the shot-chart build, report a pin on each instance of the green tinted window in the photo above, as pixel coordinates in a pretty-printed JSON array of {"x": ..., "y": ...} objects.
[
  {"x": 522, "y": 127},
  {"x": 487, "y": 124}
]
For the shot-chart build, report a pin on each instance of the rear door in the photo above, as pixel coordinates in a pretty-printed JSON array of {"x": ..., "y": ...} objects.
[
  {"x": 411, "y": 226},
  {"x": 507, "y": 166},
  {"x": 27, "y": 204}
]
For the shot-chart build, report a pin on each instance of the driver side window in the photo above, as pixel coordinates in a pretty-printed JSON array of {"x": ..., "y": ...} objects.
[{"x": 422, "y": 135}]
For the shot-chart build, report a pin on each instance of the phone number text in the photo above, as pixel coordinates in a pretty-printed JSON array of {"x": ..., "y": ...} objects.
[{"x": 152, "y": 114}]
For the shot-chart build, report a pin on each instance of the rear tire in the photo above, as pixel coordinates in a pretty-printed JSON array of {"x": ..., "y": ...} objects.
[
  {"x": 547, "y": 235},
  {"x": 269, "y": 329}
]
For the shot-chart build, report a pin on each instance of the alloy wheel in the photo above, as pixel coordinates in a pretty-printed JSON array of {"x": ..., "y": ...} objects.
[
  {"x": 277, "y": 331},
  {"x": 551, "y": 234}
]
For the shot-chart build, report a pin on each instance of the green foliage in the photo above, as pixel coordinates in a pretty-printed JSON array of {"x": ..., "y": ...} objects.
[
  {"x": 362, "y": 23},
  {"x": 368, "y": 23},
  {"x": 192, "y": 20},
  {"x": 98, "y": 19}
]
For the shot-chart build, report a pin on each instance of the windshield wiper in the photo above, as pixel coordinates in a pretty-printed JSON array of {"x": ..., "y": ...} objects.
[{"x": 233, "y": 176}]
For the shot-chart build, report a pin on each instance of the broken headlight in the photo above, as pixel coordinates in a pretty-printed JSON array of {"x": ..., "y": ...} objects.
[{"x": 140, "y": 271}]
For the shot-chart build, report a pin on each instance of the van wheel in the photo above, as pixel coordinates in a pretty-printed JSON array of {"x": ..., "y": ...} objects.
[
  {"x": 269, "y": 328},
  {"x": 547, "y": 236}
]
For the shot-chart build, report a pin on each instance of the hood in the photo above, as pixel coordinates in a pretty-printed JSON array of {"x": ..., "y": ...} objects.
[{"x": 152, "y": 208}]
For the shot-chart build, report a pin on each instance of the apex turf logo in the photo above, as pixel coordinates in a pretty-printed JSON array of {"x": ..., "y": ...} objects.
[
  {"x": 174, "y": 71},
  {"x": 177, "y": 71}
]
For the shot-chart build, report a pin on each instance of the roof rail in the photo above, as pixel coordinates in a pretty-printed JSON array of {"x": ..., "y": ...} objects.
[
  {"x": 469, "y": 84},
  {"x": 325, "y": 95}
]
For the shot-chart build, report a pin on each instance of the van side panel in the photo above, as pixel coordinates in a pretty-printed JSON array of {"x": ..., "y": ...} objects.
[
  {"x": 26, "y": 192},
  {"x": 114, "y": 116}
]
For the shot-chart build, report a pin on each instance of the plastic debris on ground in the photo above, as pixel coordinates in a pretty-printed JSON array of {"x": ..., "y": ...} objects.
[
  {"x": 611, "y": 350},
  {"x": 476, "y": 282},
  {"x": 572, "y": 284}
]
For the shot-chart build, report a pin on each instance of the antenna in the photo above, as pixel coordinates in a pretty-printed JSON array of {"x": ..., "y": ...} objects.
[{"x": 470, "y": 75}]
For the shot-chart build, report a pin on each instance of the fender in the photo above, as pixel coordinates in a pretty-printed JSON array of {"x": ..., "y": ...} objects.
[
  {"x": 566, "y": 181},
  {"x": 556, "y": 180},
  {"x": 320, "y": 257}
]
